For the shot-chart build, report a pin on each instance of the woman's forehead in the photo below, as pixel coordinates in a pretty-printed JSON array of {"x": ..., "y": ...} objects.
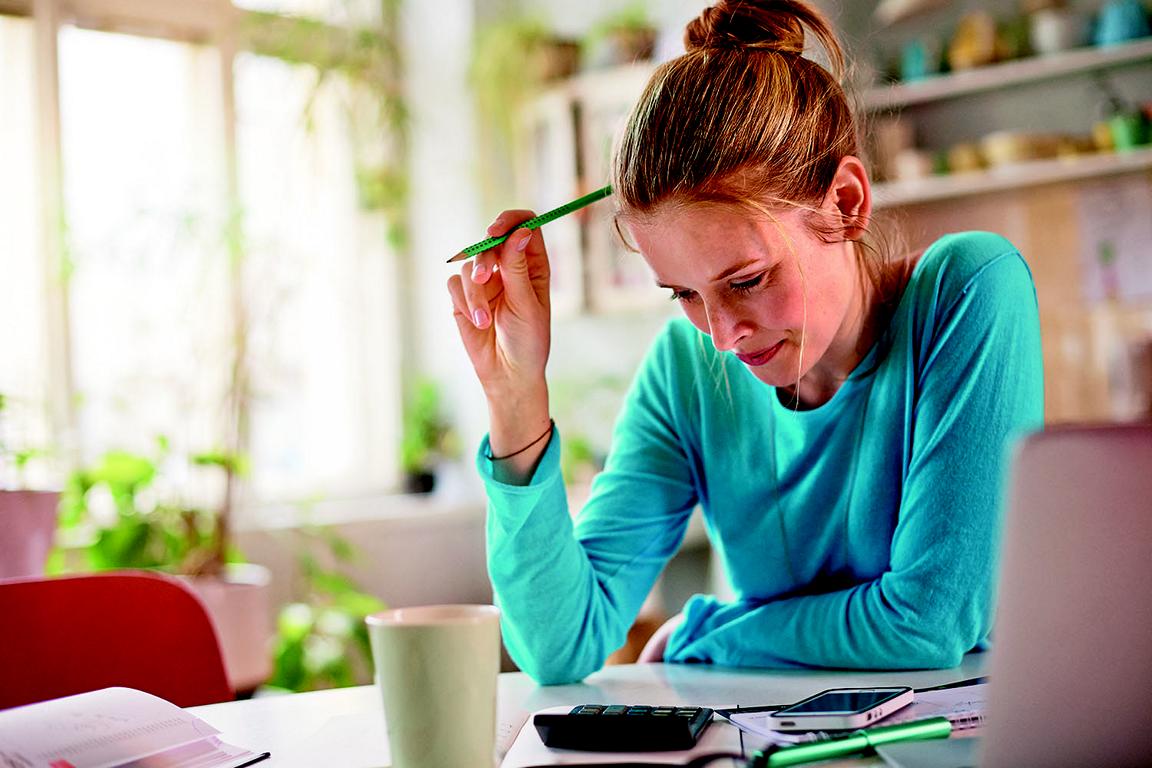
[
  {"x": 696, "y": 220},
  {"x": 706, "y": 242}
]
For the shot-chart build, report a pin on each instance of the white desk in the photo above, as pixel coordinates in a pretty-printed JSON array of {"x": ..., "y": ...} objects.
[{"x": 344, "y": 728}]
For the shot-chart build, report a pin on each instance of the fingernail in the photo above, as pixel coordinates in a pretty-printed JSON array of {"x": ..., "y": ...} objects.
[
  {"x": 523, "y": 242},
  {"x": 479, "y": 317},
  {"x": 479, "y": 273}
]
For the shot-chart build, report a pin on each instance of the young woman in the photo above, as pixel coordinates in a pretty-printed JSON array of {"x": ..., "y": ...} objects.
[{"x": 840, "y": 415}]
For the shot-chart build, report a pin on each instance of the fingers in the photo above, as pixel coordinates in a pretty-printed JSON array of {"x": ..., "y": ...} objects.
[
  {"x": 474, "y": 300},
  {"x": 507, "y": 220},
  {"x": 522, "y": 258},
  {"x": 485, "y": 263},
  {"x": 462, "y": 313},
  {"x": 517, "y": 269}
]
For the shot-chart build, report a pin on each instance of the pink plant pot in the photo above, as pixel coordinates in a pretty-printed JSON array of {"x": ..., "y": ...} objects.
[
  {"x": 239, "y": 605},
  {"x": 28, "y": 520}
]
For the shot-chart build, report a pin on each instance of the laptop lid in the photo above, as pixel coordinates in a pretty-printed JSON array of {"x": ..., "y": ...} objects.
[{"x": 1071, "y": 665}]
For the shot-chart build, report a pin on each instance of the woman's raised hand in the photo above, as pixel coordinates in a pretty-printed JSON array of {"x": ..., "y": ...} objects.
[
  {"x": 502, "y": 308},
  {"x": 503, "y": 312}
]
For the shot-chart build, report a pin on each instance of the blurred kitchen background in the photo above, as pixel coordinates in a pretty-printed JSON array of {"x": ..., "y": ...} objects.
[{"x": 228, "y": 350}]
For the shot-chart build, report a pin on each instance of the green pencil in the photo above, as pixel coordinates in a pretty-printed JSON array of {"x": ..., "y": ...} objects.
[
  {"x": 535, "y": 223},
  {"x": 930, "y": 728}
]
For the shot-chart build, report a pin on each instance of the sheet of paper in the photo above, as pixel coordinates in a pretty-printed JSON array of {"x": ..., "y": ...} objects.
[
  {"x": 528, "y": 750},
  {"x": 964, "y": 706},
  {"x": 108, "y": 728}
]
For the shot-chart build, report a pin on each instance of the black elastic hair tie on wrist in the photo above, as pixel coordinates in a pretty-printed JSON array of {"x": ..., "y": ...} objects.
[{"x": 490, "y": 457}]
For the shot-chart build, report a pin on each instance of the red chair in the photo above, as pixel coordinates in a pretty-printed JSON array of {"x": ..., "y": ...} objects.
[{"x": 136, "y": 629}]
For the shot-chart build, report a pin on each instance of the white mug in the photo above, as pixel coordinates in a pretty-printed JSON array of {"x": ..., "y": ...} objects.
[{"x": 436, "y": 670}]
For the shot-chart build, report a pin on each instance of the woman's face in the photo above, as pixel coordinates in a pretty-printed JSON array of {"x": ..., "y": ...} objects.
[{"x": 759, "y": 287}]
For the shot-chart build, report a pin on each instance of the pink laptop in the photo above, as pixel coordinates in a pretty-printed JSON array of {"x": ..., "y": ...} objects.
[
  {"x": 1071, "y": 665},
  {"x": 1071, "y": 659}
]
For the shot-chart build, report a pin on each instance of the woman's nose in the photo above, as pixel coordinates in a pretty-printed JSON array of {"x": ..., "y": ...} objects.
[{"x": 725, "y": 327}]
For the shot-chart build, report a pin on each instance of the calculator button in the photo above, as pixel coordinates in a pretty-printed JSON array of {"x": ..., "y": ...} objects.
[
  {"x": 589, "y": 710},
  {"x": 662, "y": 711},
  {"x": 639, "y": 710},
  {"x": 615, "y": 710}
]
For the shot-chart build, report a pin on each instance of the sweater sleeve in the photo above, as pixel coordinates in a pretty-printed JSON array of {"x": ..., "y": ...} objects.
[
  {"x": 978, "y": 383},
  {"x": 570, "y": 591}
]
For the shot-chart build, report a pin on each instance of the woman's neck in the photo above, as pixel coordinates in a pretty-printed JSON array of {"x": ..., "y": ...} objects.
[{"x": 858, "y": 333}]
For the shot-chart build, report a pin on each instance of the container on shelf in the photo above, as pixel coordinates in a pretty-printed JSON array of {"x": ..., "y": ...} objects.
[
  {"x": 1129, "y": 130},
  {"x": 1053, "y": 30},
  {"x": 1121, "y": 21}
]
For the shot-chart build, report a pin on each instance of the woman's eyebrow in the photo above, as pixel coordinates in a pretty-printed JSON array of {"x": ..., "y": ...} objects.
[
  {"x": 733, "y": 270},
  {"x": 720, "y": 277}
]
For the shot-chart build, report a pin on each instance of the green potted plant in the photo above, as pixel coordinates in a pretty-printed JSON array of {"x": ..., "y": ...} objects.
[
  {"x": 27, "y": 515},
  {"x": 513, "y": 56},
  {"x": 321, "y": 639},
  {"x": 427, "y": 439},
  {"x": 129, "y": 510}
]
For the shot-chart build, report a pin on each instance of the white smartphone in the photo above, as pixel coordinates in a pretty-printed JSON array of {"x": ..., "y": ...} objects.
[{"x": 841, "y": 708}]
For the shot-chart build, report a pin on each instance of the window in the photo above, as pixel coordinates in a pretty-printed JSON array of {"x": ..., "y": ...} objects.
[
  {"x": 164, "y": 293},
  {"x": 317, "y": 274},
  {"x": 144, "y": 195}
]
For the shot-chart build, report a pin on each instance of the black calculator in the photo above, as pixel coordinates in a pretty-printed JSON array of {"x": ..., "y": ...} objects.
[{"x": 623, "y": 728}]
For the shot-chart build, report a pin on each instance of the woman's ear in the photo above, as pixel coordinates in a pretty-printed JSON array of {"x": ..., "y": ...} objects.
[{"x": 850, "y": 194}]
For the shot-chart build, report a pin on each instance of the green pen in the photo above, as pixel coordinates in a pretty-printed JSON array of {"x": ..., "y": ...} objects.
[
  {"x": 930, "y": 728},
  {"x": 535, "y": 223}
]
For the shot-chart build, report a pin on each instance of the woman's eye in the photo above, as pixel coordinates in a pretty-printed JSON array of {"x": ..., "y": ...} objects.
[
  {"x": 683, "y": 296},
  {"x": 743, "y": 286}
]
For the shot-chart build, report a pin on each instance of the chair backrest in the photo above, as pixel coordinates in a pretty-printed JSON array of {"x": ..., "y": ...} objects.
[
  {"x": 1071, "y": 666},
  {"x": 142, "y": 630}
]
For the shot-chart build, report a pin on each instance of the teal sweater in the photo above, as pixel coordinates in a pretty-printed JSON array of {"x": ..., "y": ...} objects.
[{"x": 860, "y": 534}]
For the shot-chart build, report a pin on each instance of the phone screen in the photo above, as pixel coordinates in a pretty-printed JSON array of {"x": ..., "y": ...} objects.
[{"x": 842, "y": 702}]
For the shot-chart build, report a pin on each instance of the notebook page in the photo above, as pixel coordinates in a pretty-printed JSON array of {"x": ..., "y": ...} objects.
[{"x": 106, "y": 728}]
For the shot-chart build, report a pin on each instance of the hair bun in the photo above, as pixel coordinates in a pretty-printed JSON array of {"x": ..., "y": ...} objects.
[{"x": 766, "y": 25}]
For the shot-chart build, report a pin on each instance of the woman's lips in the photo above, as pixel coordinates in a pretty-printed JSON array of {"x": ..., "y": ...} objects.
[{"x": 761, "y": 357}]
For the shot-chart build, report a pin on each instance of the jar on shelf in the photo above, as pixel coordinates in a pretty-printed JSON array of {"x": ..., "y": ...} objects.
[{"x": 1054, "y": 27}]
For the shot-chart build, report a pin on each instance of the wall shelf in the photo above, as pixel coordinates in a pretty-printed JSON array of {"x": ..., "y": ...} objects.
[
  {"x": 1008, "y": 177},
  {"x": 1009, "y": 73}
]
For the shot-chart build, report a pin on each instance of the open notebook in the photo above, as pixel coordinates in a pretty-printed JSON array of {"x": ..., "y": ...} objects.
[{"x": 113, "y": 728}]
